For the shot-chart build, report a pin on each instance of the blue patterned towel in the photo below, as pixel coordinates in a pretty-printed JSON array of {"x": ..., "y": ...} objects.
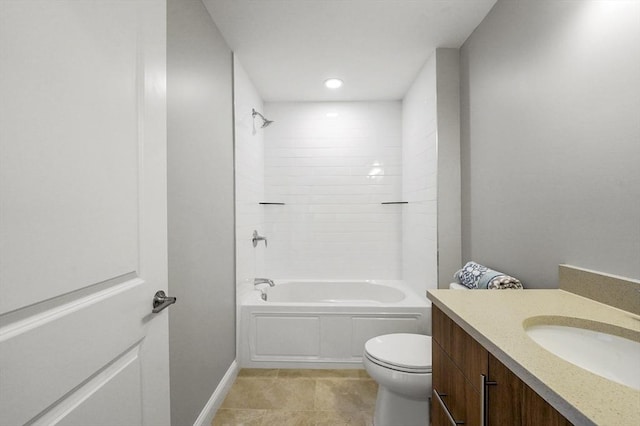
[{"x": 476, "y": 276}]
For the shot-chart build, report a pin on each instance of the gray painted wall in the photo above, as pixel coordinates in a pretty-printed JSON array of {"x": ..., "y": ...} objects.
[
  {"x": 448, "y": 135},
  {"x": 550, "y": 117},
  {"x": 201, "y": 208}
]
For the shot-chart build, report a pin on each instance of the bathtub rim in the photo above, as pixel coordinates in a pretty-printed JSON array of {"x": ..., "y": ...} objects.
[{"x": 251, "y": 295}]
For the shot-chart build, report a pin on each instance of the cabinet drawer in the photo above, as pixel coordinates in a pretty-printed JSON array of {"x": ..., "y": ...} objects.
[
  {"x": 441, "y": 328},
  {"x": 465, "y": 352},
  {"x": 455, "y": 392}
]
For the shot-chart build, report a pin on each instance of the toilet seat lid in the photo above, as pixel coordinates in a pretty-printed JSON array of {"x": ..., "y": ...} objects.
[{"x": 404, "y": 350}]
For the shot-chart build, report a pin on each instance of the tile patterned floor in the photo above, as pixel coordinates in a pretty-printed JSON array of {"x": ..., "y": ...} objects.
[{"x": 261, "y": 397}]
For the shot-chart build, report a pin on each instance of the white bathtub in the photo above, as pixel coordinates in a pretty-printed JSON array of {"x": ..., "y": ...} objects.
[{"x": 324, "y": 324}]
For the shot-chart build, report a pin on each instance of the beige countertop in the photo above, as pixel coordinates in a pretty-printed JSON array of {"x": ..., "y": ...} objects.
[{"x": 495, "y": 319}]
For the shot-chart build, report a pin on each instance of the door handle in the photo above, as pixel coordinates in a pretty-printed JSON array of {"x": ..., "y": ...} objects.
[{"x": 161, "y": 301}]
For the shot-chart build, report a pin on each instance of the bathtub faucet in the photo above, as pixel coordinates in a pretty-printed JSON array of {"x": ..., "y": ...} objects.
[
  {"x": 257, "y": 281},
  {"x": 257, "y": 238}
]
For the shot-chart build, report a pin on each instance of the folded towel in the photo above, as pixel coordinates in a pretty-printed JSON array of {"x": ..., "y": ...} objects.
[
  {"x": 476, "y": 276},
  {"x": 504, "y": 282}
]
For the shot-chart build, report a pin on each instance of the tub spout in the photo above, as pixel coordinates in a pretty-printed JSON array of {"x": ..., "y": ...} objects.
[
  {"x": 257, "y": 281},
  {"x": 257, "y": 238}
]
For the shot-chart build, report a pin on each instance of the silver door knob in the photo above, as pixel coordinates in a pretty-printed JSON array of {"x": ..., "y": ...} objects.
[{"x": 161, "y": 301}]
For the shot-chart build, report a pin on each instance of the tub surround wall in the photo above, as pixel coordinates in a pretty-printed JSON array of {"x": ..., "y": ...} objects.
[
  {"x": 333, "y": 164},
  {"x": 249, "y": 163},
  {"x": 200, "y": 209},
  {"x": 550, "y": 105},
  {"x": 419, "y": 181}
]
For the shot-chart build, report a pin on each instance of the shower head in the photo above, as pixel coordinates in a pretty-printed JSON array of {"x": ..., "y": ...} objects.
[{"x": 265, "y": 122}]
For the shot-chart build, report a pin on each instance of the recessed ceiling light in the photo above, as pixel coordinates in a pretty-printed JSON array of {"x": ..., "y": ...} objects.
[{"x": 333, "y": 83}]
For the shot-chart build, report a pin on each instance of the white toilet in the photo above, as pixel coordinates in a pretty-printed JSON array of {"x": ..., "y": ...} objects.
[{"x": 401, "y": 364}]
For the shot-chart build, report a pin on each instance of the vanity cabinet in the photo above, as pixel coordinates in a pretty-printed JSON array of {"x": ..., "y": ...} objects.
[{"x": 472, "y": 387}]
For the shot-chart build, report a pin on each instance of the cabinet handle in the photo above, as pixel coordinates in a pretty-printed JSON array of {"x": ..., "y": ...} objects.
[
  {"x": 453, "y": 421},
  {"x": 483, "y": 398}
]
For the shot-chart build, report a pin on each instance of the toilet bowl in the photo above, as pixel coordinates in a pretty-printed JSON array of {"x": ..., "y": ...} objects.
[{"x": 401, "y": 365}]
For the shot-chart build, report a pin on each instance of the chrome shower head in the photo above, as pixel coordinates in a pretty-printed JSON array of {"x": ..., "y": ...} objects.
[{"x": 265, "y": 122}]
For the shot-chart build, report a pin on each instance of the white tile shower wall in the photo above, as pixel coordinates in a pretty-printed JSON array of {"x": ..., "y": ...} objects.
[
  {"x": 419, "y": 181},
  {"x": 333, "y": 164},
  {"x": 249, "y": 164}
]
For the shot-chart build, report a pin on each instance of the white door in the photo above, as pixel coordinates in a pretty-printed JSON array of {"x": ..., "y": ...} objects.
[{"x": 82, "y": 212}]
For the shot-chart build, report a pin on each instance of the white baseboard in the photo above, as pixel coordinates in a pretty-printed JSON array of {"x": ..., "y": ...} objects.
[{"x": 211, "y": 407}]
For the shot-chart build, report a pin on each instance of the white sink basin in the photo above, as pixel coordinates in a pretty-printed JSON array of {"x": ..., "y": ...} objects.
[{"x": 607, "y": 355}]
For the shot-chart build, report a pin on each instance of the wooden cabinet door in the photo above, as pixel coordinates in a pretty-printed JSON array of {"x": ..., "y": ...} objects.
[
  {"x": 441, "y": 326},
  {"x": 536, "y": 411},
  {"x": 512, "y": 402},
  {"x": 504, "y": 398}
]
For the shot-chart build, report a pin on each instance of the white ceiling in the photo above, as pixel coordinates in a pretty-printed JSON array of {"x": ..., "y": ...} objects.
[{"x": 289, "y": 47}]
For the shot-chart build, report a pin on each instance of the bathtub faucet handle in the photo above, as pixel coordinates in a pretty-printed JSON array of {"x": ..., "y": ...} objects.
[
  {"x": 257, "y": 281},
  {"x": 257, "y": 238}
]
